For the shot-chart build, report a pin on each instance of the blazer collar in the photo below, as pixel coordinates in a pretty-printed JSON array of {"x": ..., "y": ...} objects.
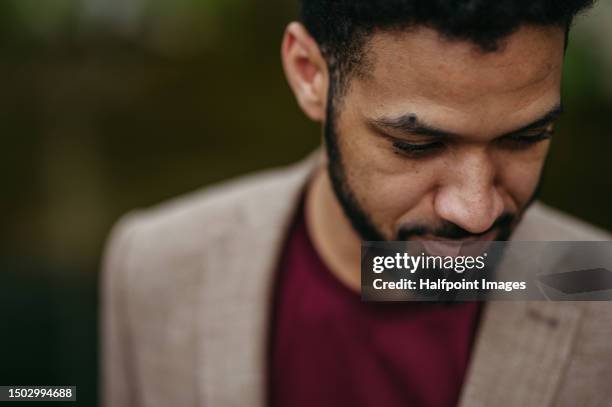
[{"x": 236, "y": 292}]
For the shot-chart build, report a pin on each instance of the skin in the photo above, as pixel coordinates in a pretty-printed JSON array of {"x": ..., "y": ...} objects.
[{"x": 479, "y": 165}]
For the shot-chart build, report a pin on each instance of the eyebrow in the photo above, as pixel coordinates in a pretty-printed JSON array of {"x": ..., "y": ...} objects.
[{"x": 410, "y": 124}]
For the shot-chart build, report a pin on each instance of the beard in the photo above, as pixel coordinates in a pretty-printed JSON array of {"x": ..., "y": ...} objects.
[{"x": 361, "y": 220}]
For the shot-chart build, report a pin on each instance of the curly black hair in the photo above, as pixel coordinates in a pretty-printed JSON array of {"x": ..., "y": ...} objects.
[{"x": 342, "y": 27}]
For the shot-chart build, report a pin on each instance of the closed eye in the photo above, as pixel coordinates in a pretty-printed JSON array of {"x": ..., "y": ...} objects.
[
  {"x": 417, "y": 150},
  {"x": 520, "y": 141}
]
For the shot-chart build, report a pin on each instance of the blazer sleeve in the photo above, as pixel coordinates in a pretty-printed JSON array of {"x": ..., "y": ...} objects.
[{"x": 117, "y": 381}]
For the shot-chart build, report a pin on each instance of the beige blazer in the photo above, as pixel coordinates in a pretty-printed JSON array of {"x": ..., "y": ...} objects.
[{"x": 186, "y": 298}]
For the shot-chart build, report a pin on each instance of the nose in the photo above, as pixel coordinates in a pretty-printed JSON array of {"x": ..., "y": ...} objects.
[{"x": 469, "y": 197}]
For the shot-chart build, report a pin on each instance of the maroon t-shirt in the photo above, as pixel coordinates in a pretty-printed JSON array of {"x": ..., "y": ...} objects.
[{"x": 330, "y": 349}]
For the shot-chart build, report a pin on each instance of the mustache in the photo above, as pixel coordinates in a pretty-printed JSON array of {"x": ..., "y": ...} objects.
[{"x": 451, "y": 231}]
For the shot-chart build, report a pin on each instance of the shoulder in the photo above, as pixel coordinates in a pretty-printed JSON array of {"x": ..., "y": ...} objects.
[
  {"x": 155, "y": 258},
  {"x": 183, "y": 225},
  {"x": 542, "y": 222}
]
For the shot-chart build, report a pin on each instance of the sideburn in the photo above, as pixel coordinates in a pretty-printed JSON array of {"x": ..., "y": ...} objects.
[{"x": 358, "y": 218}]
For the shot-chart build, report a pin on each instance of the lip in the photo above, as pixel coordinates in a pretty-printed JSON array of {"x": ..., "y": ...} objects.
[
  {"x": 442, "y": 248},
  {"x": 437, "y": 246}
]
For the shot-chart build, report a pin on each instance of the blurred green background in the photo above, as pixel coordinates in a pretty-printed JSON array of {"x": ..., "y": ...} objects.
[{"x": 108, "y": 105}]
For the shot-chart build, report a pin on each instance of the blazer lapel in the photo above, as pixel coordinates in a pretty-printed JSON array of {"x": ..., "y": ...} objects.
[
  {"x": 520, "y": 353},
  {"x": 522, "y": 346},
  {"x": 236, "y": 293}
]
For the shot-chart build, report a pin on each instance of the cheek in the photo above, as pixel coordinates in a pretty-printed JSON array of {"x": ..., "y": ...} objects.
[
  {"x": 520, "y": 172},
  {"x": 386, "y": 185}
]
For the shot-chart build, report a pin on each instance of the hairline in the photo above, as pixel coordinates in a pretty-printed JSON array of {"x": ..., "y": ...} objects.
[{"x": 341, "y": 78}]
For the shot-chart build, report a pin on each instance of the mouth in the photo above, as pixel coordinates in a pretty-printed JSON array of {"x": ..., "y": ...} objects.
[{"x": 439, "y": 246}]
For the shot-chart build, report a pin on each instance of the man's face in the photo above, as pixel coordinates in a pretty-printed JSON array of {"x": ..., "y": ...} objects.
[{"x": 440, "y": 140}]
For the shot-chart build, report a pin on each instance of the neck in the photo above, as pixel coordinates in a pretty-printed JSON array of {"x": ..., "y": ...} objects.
[{"x": 331, "y": 232}]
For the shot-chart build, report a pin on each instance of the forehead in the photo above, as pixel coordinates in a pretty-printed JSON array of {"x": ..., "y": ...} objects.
[{"x": 439, "y": 79}]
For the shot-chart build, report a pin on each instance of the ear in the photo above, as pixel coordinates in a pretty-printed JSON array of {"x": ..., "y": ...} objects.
[{"x": 306, "y": 71}]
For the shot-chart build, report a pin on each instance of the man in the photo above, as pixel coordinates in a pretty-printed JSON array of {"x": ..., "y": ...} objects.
[{"x": 437, "y": 118}]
